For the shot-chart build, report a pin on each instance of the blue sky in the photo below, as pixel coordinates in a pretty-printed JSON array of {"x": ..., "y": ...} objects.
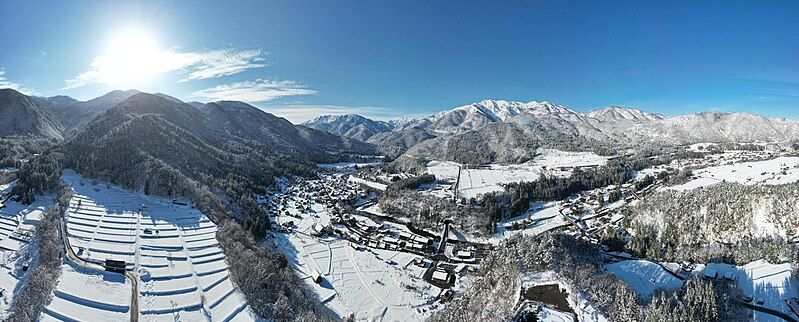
[{"x": 384, "y": 59}]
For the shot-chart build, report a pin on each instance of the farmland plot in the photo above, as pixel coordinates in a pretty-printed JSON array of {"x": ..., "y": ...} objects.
[
  {"x": 82, "y": 293},
  {"x": 473, "y": 182},
  {"x": 171, "y": 248},
  {"x": 780, "y": 170},
  {"x": 17, "y": 222}
]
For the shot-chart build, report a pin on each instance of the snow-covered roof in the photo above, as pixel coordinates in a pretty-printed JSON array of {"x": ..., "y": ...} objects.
[
  {"x": 439, "y": 275},
  {"x": 463, "y": 253}
]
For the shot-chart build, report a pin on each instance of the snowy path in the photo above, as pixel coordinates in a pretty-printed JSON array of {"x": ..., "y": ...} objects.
[{"x": 134, "y": 299}]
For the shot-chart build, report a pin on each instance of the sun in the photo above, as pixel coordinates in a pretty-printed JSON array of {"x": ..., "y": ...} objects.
[{"x": 131, "y": 57}]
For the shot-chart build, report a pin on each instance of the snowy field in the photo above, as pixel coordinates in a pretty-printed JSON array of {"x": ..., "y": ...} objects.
[
  {"x": 776, "y": 171},
  {"x": 550, "y": 315},
  {"x": 181, "y": 270},
  {"x": 553, "y": 158},
  {"x": 643, "y": 276},
  {"x": 372, "y": 184},
  {"x": 17, "y": 222},
  {"x": 82, "y": 292},
  {"x": 771, "y": 283},
  {"x": 540, "y": 219},
  {"x": 474, "y": 182},
  {"x": 368, "y": 284}
]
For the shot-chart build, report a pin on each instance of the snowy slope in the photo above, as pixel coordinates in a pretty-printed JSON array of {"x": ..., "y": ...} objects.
[
  {"x": 717, "y": 127},
  {"x": 16, "y": 223},
  {"x": 172, "y": 248}
]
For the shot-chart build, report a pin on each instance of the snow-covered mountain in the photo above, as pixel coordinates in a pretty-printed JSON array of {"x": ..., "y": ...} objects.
[
  {"x": 505, "y": 123},
  {"x": 616, "y": 113},
  {"x": 401, "y": 134},
  {"x": 476, "y": 115},
  {"x": 22, "y": 115},
  {"x": 350, "y": 125},
  {"x": 717, "y": 127}
]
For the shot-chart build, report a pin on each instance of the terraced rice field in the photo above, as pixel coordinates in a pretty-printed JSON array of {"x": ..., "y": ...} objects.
[
  {"x": 16, "y": 226},
  {"x": 83, "y": 294},
  {"x": 172, "y": 248}
]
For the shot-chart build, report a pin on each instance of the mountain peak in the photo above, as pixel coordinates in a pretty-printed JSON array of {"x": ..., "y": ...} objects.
[
  {"x": 330, "y": 118},
  {"x": 618, "y": 113},
  {"x": 9, "y": 92},
  {"x": 349, "y": 125}
]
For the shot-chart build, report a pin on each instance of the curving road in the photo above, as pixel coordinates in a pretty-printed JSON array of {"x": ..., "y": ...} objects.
[{"x": 134, "y": 299}]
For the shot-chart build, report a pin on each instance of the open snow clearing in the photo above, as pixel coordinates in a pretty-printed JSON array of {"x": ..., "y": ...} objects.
[
  {"x": 475, "y": 181},
  {"x": 775, "y": 171}
]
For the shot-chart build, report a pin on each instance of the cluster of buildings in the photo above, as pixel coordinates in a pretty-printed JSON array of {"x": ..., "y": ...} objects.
[{"x": 329, "y": 201}]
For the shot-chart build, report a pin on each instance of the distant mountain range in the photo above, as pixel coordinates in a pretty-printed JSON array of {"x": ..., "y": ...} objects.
[
  {"x": 508, "y": 128},
  {"x": 477, "y": 115},
  {"x": 485, "y": 131}
]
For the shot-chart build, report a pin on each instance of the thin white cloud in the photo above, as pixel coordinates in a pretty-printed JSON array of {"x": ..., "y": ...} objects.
[
  {"x": 254, "y": 91},
  {"x": 5, "y": 83},
  {"x": 225, "y": 62},
  {"x": 199, "y": 65},
  {"x": 777, "y": 95},
  {"x": 298, "y": 113}
]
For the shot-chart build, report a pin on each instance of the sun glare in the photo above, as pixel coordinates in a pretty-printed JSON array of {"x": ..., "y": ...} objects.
[{"x": 131, "y": 57}]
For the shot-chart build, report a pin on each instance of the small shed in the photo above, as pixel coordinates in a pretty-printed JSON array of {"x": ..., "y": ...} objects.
[
  {"x": 316, "y": 277},
  {"x": 114, "y": 265}
]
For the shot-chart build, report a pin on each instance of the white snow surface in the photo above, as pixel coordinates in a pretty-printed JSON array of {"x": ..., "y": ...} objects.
[
  {"x": 771, "y": 283},
  {"x": 476, "y": 182},
  {"x": 372, "y": 184},
  {"x": 181, "y": 268},
  {"x": 15, "y": 232},
  {"x": 358, "y": 283},
  {"x": 780, "y": 170},
  {"x": 549, "y": 315},
  {"x": 82, "y": 292},
  {"x": 542, "y": 218},
  {"x": 643, "y": 276},
  {"x": 556, "y": 158}
]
